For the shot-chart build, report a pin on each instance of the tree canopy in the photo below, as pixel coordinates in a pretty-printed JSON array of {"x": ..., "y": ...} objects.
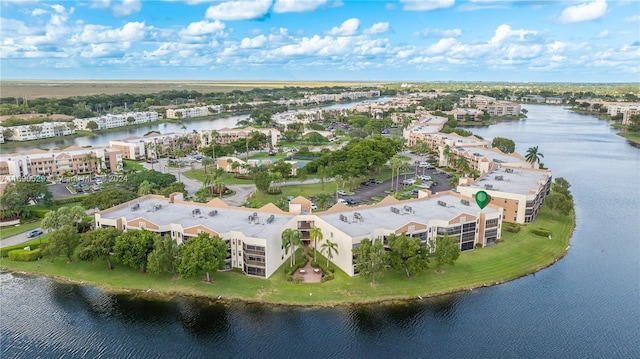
[
  {"x": 62, "y": 242},
  {"x": 504, "y": 144},
  {"x": 370, "y": 259},
  {"x": 201, "y": 254},
  {"x": 407, "y": 254},
  {"x": 99, "y": 244},
  {"x": 133, "y": 247}
]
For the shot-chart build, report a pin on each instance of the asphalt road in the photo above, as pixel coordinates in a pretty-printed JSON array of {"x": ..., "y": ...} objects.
[{"x": 17, "y": 239}]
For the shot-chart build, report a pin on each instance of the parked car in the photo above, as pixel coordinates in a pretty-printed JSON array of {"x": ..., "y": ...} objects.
[
  {"x": 342, "y": 193},
  {"x": 343, "y": 201},
  {"x": 34, "y": 233},
  {"x": 351, "y": 201},
  {"x": 365, "y": 183},
  {"x": 374, "y": 181},
  {"x": 313, "y": 206},
  {"x": 409, "y": 181}
]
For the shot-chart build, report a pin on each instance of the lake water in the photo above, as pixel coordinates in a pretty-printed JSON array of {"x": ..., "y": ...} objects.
[{"x": 585, "y": 306}]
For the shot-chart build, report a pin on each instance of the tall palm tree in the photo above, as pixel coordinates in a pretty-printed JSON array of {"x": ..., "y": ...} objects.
[
  {"x": 329, "y": 248},
  {"x": 218, "y": 184},
  {"x": 88, "y": 158},
  {"x": 446, "y": 153},
  {"x": 316, "y": 234},
  {"x": 290, "y": 239},
  {"x": 339, "y": 182},
  {"x": 533, "y": 156},
  {"x": 206, "y": 161},
  {"x": 395, "y": 164},
  {"x": 323, "y": 199}
]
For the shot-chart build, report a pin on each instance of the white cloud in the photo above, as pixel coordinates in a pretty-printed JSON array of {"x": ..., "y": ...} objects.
[
  {"x": 634, "y": 18},
  {"x": 239, "y": 10},
  {"x": 203, "y": 27},
  {"x": 99, "y": 34},
  {"x": 282, "y": 6},
  {"x": 118, "y": 8},
  {"x": 425, "y": 5},
  {"x": 505, "y": 33},
  {"x": 38, "y": 12},
  {"x": 377, "y": 28},
  {"x": 441, "y": 46},
  {"x": 438, "y": 33},
  {"x": 584, "y": 12},
  {"x": 254, "y": 43},
  {"x": 348, "y": 27},
  {"x": 603, "y": 34},
  {"x": 126, "y": 8}
]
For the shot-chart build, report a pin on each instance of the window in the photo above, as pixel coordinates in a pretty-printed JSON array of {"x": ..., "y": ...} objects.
[{"x": 142, "y": 224}]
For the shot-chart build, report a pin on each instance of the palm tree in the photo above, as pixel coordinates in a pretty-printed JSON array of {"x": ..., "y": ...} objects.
[
  {"x": 329, "y": 248},
  {"x": 316, "y": 234},
  {"x": 184, "y": 128},
  {"x": 290, "y": 239},
  {"x": 339, "y": 182},
  {"x": 462, "y": 163},
  {"x": 218, "y": 184},
  {"x": 533, "y": 156},
  {"x": 88, "y": 158},
  {"x": 207, "y": 162},
  {"x": 395, "y": 164},
  {"x": 145, "y": 188},
  {"x": 323, "y": 199},
  {"x": 446, "y": 153}
]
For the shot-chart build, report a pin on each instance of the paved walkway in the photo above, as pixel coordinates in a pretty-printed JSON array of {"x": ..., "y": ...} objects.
[{"x": 308, "y": 274}]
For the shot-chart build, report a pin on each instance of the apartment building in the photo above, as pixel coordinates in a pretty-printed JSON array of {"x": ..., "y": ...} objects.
[
  {"x": 37, "y": 131},
  {"x": 519, "y": 191},
  {"x": 614, "y": 109},
  {"x": 491, "y": 105},
  {"x": 152, "y": 145},
  {"x": 626, "y": 116},
  {"x": 190, "y": 112},
  {"x": 254, "y": 235},
  {"x": 72, "y": 160},
  {"x": 437, "y": 140},
  {"x": 482, "y": 158},
  {"x": 227, "y": 135},
  {"x": 418, "y": 130},
  {"x": 466, "y": 114},
  {"x": 113, "y": 121}
]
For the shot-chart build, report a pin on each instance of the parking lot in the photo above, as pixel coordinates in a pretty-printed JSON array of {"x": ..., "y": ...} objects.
[{"x": 364, "y": 194}]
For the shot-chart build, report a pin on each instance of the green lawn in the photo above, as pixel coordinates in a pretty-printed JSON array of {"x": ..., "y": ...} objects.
[
  {"x": 517, "y": 255},
  {"x": 131, "y": 165},
  {"x": 631, "y": 136}
]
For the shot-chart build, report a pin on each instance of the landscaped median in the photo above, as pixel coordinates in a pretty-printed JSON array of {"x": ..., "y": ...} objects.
[{"x": 517, "y": 255}]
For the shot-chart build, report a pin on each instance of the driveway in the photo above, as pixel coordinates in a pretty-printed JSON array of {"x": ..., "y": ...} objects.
[{"x": 17, "y": 239}]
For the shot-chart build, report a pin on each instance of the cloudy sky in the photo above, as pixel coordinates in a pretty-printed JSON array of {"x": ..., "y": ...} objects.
[{"x": 401, "y": 40}]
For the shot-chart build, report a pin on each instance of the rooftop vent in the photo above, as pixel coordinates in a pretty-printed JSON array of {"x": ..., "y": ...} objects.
[
  {"x": 195, "y": 212},
  {"x": 464, "y": 201},
  {"x": 135, "y": 206},
  {"x": 499, "y": 178},
  {"x": 253, "y": 218},
  {"x": 408, "y": 209},
  {"x": 271, "y": 218},
  {"x": 156, "y": 207},
  {"x": 395, "y": 210},
  {"x": 213, "y": 213},
  {"x": 357, "y": 217},
  {"x": 508, "y": 170},
  {"x": 488, "y": 186},
  {"x": 442, "y": 203},
  {"x": 343, "y": 218}
]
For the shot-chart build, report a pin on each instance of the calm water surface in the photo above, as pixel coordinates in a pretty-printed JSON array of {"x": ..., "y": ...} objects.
[{"x": 585, "y": 306}]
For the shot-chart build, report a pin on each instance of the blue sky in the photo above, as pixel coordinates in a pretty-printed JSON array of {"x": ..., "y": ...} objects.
[{"x": 402, "y": 40}]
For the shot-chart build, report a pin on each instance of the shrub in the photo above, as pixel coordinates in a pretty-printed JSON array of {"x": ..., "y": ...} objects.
[
  {"x": 40, "y": 213},
  {"x": 512, "y": 227},
  {"x": 66, "y": 200},
  {"x": 543, "y": 232},
  {"x": 4, "y": 252},
  {"x": 25, "y": 256}
]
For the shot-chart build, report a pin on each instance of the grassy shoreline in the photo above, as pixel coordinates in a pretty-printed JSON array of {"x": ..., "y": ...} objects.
[{"x": 518, "y": 255}]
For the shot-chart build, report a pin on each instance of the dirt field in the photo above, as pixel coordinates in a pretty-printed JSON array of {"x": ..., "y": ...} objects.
[
  {"x": 62, "y": 88},
  {"x": 34, "y": 115}
]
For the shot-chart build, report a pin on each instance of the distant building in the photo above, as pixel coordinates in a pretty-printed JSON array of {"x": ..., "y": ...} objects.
[
  {"x": 227, "y": 135},
  {"x": 113, "y": 121},
  {"x": 191, "y": 112},
  {"x": 72, "y": 160},
  {"x": 37, "y": 131},
  {"x": 152, "y": 145}
]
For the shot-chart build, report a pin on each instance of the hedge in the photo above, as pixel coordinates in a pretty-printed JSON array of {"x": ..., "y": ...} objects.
[
  {"x": 511, "y": 227},
  {"x": 328, "y": 273},
  {"x": 543, "y": 232},
  {"x": 67, "y": 200},
  {"x": 25, "y": 256},
  {"x": 4, "y": 251},
  {"x": 295, "y": 267},
  {"x": 40, "y": 213}
]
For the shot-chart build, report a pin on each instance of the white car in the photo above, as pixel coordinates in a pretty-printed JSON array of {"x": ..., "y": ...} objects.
[
  {"x": 409, "y": 181},
  {"x": 342, "y": 193},
  {"x": 314, "y": 207},
  {"x": 343, "y": 201}
]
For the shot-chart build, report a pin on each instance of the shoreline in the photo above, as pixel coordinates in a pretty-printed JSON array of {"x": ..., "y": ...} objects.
[{"x": 282, "y": 293}]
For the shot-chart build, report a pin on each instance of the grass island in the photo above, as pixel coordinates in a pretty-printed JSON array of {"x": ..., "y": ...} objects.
[{"x": 515, "y": 256}]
